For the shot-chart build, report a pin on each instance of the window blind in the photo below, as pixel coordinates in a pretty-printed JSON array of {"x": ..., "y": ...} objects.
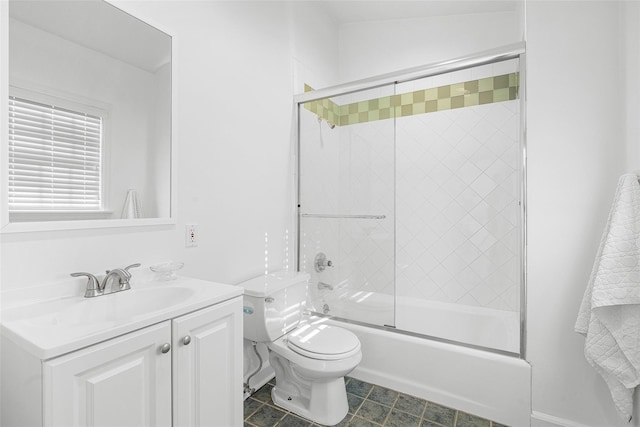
[{"x": 54, "y": 158}]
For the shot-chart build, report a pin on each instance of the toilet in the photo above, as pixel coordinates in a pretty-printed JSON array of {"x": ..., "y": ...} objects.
[{"x": 310, "y": 358}]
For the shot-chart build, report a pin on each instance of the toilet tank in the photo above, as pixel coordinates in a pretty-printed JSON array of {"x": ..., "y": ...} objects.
[{"x": 273, "y": 304}]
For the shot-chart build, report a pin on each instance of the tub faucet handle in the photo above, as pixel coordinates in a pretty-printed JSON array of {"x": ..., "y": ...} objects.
[{"x": 321, "y": 262}]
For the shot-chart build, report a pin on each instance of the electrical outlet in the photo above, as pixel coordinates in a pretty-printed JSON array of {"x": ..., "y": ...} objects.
[{"x": 191, "y": 236}]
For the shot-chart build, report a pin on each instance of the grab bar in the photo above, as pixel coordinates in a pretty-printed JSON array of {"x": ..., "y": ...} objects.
[{"x": 343, "y": 216}]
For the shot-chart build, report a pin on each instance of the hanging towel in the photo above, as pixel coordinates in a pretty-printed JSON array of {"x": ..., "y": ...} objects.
[{"x": 609, "y": 316}]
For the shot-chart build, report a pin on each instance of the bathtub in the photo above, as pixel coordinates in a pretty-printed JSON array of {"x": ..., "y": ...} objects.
[
  {"x": 490, "y": 385},
  {"x": 477, "y": 326}
]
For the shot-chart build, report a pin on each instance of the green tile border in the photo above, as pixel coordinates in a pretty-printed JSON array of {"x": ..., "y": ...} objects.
[
  {"x": 323, "y": 108},
  {"x": 489, "y": 90}
]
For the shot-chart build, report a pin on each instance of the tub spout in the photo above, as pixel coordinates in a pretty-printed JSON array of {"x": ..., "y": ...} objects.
[{"x": 322, "y": 285}]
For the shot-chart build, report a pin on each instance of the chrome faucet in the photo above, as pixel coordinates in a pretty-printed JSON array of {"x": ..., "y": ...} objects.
[
  {"x": 122, "y": 277},
  {"x": 95, "y": 288}
]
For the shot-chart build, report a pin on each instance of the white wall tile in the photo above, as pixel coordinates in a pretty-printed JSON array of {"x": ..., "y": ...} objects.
[
  {"x": 455, "y": 199},
  {"x": 481, "y": 188}
]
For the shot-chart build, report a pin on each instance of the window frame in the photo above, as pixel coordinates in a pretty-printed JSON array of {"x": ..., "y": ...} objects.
[{"x": 78, "y": 104}]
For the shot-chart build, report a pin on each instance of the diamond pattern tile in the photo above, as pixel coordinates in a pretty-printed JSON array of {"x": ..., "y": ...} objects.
[
  {"x": 477, "y": 150},
  {"x": 454, "y": 189}
]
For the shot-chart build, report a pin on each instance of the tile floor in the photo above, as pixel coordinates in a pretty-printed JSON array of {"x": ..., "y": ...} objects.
[{"x": 369, "y": 406}]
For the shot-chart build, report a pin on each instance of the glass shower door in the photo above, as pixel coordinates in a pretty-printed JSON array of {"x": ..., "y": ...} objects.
[
  {"x": 458, "y": 207},
  {"x": 411, "y": 205},
  {"x": 346, "y": 205}
]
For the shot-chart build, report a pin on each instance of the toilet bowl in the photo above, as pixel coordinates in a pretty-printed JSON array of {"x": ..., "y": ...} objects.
[
  {"x": 310, "y": 378},
  {"x": 310, "y": 358}
]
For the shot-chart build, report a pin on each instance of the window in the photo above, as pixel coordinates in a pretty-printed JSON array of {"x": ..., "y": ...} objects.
[{"x": 55, "y": 157}]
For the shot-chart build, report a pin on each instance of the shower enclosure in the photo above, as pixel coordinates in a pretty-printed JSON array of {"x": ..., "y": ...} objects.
[{"x": 411, "y": 200}]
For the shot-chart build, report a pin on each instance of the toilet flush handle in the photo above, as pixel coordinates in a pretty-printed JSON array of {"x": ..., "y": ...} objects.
[{"x": 269, "y": 300}]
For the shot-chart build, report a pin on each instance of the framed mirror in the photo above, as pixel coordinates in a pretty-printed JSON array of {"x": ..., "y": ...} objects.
[{"x": 87, "y": 134}]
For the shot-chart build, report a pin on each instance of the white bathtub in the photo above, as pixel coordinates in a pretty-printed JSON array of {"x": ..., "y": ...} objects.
[
  {"x": 478, "y": 326},
  {"x": 494, "y": 386},
  {"x": 486, "y": 384}
]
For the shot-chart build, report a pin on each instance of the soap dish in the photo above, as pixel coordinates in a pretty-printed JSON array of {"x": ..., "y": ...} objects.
[{"x": 167, "y": 270}]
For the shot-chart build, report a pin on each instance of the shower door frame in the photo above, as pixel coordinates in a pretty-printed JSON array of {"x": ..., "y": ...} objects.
[{"x": 500, "y": 54}]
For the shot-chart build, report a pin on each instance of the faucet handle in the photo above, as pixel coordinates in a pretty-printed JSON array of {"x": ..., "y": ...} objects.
[
  {"x": 321, "y": 262},
  {"x": 126, "y": 285},
  {"x": 93, "y": 285},
  {"x": 131, "y": 266},
  {"x": 126, "y": 269}
]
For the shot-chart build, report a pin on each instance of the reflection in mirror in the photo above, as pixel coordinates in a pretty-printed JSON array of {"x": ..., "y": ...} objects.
[{"x": 89, "y": 113}]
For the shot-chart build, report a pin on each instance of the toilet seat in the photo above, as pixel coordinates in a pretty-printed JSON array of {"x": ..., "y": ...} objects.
[{"x": 323, "y": 342}]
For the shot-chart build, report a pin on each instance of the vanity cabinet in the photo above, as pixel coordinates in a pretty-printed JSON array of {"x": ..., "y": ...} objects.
[
  {"x": 185, "y": 371},
  {"x": 123, "y": 382},
  {"x": 207, "y": 367}
]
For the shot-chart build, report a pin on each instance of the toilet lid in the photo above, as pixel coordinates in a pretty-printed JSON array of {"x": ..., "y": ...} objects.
[{"x": 323, "y": 342}]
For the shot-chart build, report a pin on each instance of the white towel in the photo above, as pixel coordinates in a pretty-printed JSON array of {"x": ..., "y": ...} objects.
[{"x": 610, "y": 312}]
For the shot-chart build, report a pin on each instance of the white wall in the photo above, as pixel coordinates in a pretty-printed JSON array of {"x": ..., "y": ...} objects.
[
  {"x": 234, "y": 82},
  {"x": 238, "y": 65},
  {"x": 576, "y": 143},
  {"x": 314, "y": 45},
  {"x": 371, "y": 48},
  {"x": 630, "y": 12}
]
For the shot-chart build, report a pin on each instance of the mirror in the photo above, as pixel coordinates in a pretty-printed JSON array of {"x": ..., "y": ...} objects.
[{"x": 90, "y": 108}]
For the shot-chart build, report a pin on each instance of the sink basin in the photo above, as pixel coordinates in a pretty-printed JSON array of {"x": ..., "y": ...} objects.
[
  {"x": 113, "y": 308},
  {"x": 54, "y": 327},
  {"x": 151, "y": 299}
]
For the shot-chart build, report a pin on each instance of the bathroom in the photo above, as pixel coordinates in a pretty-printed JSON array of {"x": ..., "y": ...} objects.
[{"x": 237, "y": 67}]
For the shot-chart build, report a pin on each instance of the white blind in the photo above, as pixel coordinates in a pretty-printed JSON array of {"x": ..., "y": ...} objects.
[{"x": 54, "y": 158}]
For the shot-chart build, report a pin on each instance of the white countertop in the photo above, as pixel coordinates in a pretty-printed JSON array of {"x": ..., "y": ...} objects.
[{"x": 54, "y": 327}]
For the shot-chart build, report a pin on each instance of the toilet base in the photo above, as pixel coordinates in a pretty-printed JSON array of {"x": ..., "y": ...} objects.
[
  {"x": 311, "y": 388},
  {"x": 321, "y": 399},
  {"x": 328, "y": 405}
]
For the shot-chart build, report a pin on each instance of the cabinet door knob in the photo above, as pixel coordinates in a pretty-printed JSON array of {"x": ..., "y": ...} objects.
[
  {"x": 165, "y": 348},
  {"x": 186, "y": 340}
]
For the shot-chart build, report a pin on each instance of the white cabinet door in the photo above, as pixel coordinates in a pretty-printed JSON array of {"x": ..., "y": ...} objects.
[
  {"x": 207, "y": 367},
  {"x": 122, "y": 382}
]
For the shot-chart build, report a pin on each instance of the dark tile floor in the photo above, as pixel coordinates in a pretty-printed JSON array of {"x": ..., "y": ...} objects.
[{"x": 369, "y": 406}]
